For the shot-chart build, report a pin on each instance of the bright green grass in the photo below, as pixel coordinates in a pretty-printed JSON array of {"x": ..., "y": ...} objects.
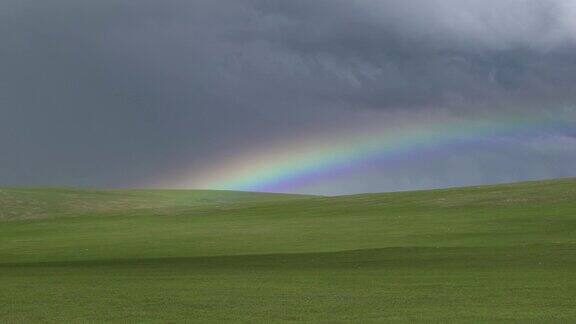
[{"x": 503, "y": 253}]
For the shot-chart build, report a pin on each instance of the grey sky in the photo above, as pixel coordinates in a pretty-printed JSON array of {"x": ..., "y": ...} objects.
[{"x": 118, "y": 92}]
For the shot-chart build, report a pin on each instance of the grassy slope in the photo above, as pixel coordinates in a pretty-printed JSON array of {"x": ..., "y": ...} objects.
[
  {"x": 492, "y": 253},
  {"x": 34, "y": 203}
]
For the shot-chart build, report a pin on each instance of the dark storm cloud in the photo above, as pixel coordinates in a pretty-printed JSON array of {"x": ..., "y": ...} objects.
[
  {"x": 108, "y": 93},
  {"x": 394, "y": 54}
]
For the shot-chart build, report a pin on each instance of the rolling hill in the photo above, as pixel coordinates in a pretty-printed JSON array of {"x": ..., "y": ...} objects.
[{"x": 488, "y": 253}]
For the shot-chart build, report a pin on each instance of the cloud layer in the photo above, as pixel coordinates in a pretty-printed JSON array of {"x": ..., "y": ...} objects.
[{"x": 114, "y": 93}]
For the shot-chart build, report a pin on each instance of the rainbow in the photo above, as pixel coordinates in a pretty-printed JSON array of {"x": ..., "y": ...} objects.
[{"x": 294, "y": 165}]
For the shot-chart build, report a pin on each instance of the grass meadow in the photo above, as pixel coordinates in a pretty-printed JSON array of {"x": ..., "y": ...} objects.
[{"x": 502, "y": 253}]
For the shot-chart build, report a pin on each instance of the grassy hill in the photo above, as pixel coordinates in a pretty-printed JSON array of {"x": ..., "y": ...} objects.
[
  {"x": 34, "y": 203},
  {"x": 504, "y": 253}
]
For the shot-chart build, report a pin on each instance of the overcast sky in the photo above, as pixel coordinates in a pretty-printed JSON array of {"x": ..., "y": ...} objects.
[{"x": 121, "y": 93}]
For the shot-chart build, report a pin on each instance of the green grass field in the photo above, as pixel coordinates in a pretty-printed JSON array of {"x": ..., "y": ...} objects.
[{"x": 504, "y": 253}]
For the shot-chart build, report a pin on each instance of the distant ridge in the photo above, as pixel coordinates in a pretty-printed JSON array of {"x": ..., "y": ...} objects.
[{"x": 38, "y": 202}]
